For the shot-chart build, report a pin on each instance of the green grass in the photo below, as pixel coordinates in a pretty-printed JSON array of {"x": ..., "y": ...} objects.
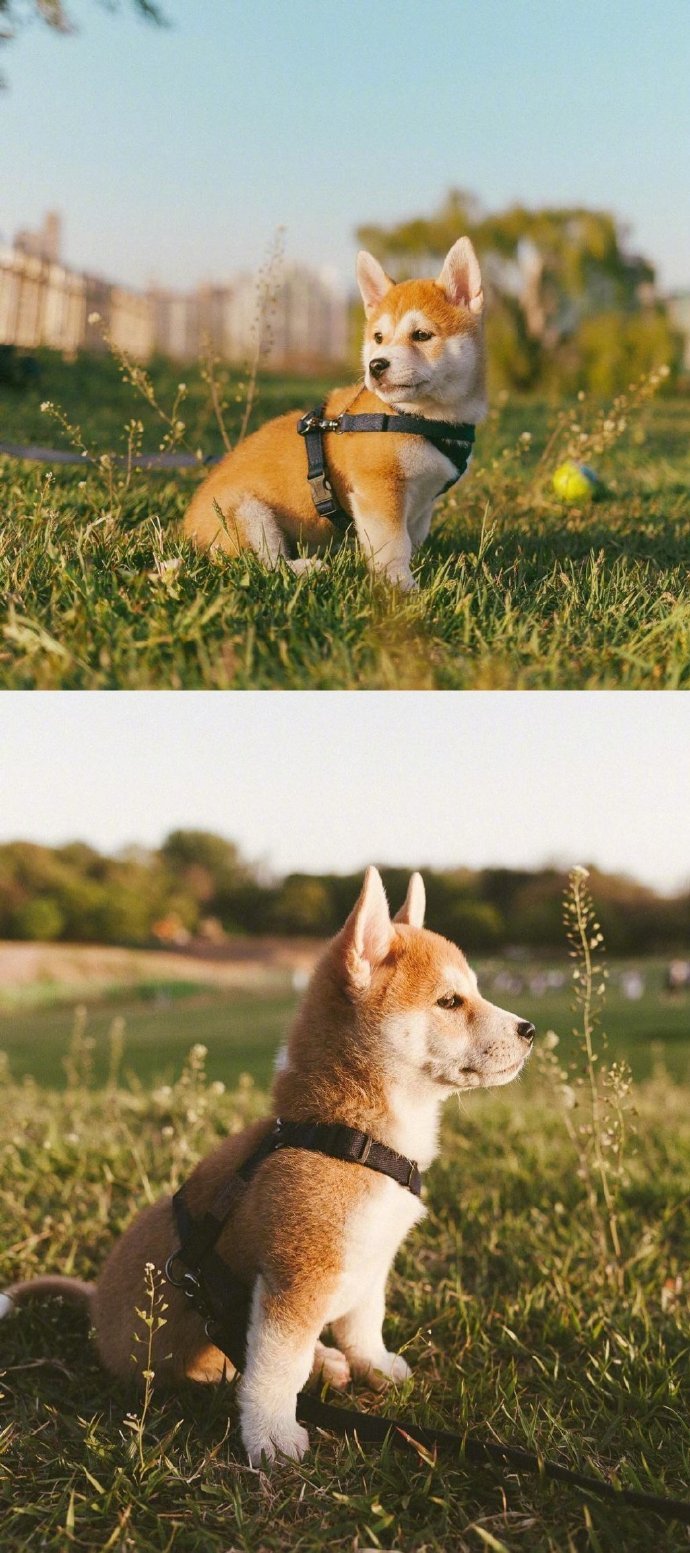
[
  {"x": 242, "y": 1030},
  {"x": 515, "y": 591},
  {"x": 512, "y": 1321}
]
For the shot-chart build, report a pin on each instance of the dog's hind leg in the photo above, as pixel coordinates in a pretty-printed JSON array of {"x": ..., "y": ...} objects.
[
  {"x": 258, "y": 526},
  {"x": 209, "y": 1366},
  {"x": 330, "y": 1367}
]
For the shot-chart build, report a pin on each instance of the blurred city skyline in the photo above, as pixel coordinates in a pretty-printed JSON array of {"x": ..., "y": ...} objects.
[
  {"x": 333, "y": 783},
  {"x": 175, "y": 153}
]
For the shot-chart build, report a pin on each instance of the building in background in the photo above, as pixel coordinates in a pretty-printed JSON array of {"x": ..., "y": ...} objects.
[
  {"x": 300, "y": 320},
  {"x": 46, "y": 242}
]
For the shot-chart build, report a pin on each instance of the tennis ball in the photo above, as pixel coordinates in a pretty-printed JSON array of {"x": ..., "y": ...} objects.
[{"x": 575, "y": 482}]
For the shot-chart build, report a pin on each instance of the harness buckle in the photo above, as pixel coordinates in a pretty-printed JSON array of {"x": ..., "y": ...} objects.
[
  {"x": 321, "y": 488},
  {"x": 314, "y": 421}
]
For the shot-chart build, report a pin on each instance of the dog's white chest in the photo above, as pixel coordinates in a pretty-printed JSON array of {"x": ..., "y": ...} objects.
[
  {"x": 373, "y": 1234},
  {"x": 426, "y": 472}
]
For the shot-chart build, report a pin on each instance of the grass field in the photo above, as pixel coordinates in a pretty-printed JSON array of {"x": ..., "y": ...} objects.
[
  {"x": 515, "y": 591},
  {"x": 517, "y": 1322},
  {"x": 242, "y": 1029}
]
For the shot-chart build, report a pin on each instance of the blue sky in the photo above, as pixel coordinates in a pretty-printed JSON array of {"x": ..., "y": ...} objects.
[
  {"x": 177, "y": 153},
  {"x": 337, "y": 780}
]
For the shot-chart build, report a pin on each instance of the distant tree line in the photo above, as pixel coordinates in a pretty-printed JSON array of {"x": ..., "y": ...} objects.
[{"x": 198, "y": 887}]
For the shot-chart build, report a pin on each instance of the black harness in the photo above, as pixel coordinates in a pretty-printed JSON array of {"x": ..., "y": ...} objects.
[
  {"x": 221, "y": 1298},
  {"x": 453, "y": 440}
]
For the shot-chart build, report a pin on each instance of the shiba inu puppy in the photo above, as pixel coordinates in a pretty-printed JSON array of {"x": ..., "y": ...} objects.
[
  {"x": 392, "y": 1023},
  {"x": 423, "y": 357}
]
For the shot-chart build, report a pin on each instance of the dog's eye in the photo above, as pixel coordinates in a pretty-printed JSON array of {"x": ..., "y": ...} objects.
[
  {"x": 378, "y": 337},
  {"x": 422, "y": 334},
  {"x": 451, "y": 1000}
]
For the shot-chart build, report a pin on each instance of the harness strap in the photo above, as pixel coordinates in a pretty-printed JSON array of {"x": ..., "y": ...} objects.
[
  {"x": 454, "y": 440},
  {"x": 347, "y": 1143},
  {"x": 333, "y": 1139},
  {"x": 220, "y": 1297},
  {"x": 414, "y": 425},
  {"x": 312, "y": 427}
]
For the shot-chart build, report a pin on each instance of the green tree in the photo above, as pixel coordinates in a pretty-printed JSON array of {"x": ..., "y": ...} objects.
[
  {"x": 302, "y": 905},
  {"x": 210, "y": 862},
  {"x": 40, "y": 920},
  {"x": 554, "y": 277},
  {"x": 475, "y": 925},
  {"x": 608, "y": 351}
]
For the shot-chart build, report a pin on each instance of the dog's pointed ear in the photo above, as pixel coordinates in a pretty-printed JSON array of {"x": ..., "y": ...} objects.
[
  {"x": 372, "y": 280},
  {"x": 415, "y": 903},
  {"x": 461, "y": 277},
  {"x": 368, "y": 932}
]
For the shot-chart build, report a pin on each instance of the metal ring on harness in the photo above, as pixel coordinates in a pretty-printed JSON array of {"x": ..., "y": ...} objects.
[{"x": 187, "y": 1281}]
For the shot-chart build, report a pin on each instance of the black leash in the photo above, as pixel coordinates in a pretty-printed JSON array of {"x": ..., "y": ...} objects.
[
  {"x": 224, "y": 1303},
  {"x": 370, "y": 1429},
  {"x": 39, "y": 455}
]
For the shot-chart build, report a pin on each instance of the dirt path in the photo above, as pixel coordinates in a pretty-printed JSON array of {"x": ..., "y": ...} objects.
[{"x": 244, "y": 963}]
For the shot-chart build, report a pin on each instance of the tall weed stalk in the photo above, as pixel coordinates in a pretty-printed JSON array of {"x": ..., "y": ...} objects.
[
  {"x": 594, "y": 1095},
  {"x": 600, "y": 1092}
]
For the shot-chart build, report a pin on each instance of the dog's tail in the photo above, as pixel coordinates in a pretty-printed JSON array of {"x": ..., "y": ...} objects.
[{"x": 71, "y": 1289}]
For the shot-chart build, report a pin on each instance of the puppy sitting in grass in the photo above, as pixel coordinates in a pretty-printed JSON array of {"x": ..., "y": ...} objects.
[
  {"x": 423, "y": 358},
  {"x": 391, "y": 1024}
]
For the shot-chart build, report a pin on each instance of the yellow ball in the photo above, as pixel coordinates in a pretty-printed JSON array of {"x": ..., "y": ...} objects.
[{"x": 575, "y": 482}]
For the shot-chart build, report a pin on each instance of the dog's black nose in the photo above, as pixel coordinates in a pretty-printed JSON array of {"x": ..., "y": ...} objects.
[
  {"x": 378, "y": 365},
  {"x": 526, "y": 1031}
]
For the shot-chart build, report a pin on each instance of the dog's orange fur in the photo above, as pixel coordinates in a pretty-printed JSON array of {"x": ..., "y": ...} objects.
[
  {"x": 376, "y": 1046},
  {"x": 367, "y": 471},
  {"x": 272, "y": 464}
]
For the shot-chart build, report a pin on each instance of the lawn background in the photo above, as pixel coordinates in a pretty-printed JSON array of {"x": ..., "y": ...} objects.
[{"x": 516, "y": 591}]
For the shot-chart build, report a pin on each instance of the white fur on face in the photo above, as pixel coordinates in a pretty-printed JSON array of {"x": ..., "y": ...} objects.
[
  {"x": 414, "y": 378},
  {"x": 472, "y": 1047}
]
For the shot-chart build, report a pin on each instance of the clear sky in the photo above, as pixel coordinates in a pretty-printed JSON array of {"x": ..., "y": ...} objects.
[
  {"x": 177, "y": 153},
  {"x": 338, "y": 780}
]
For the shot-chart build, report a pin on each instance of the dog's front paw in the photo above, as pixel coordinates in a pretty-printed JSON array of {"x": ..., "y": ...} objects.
[
  {"x": 394, "y": 1367},
  {"x": 378, "y": 1371},
  {"x": 282, "y": 1437},
  {"x": 402, "y": 578},
  {"x": 305, "y": 564}
]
